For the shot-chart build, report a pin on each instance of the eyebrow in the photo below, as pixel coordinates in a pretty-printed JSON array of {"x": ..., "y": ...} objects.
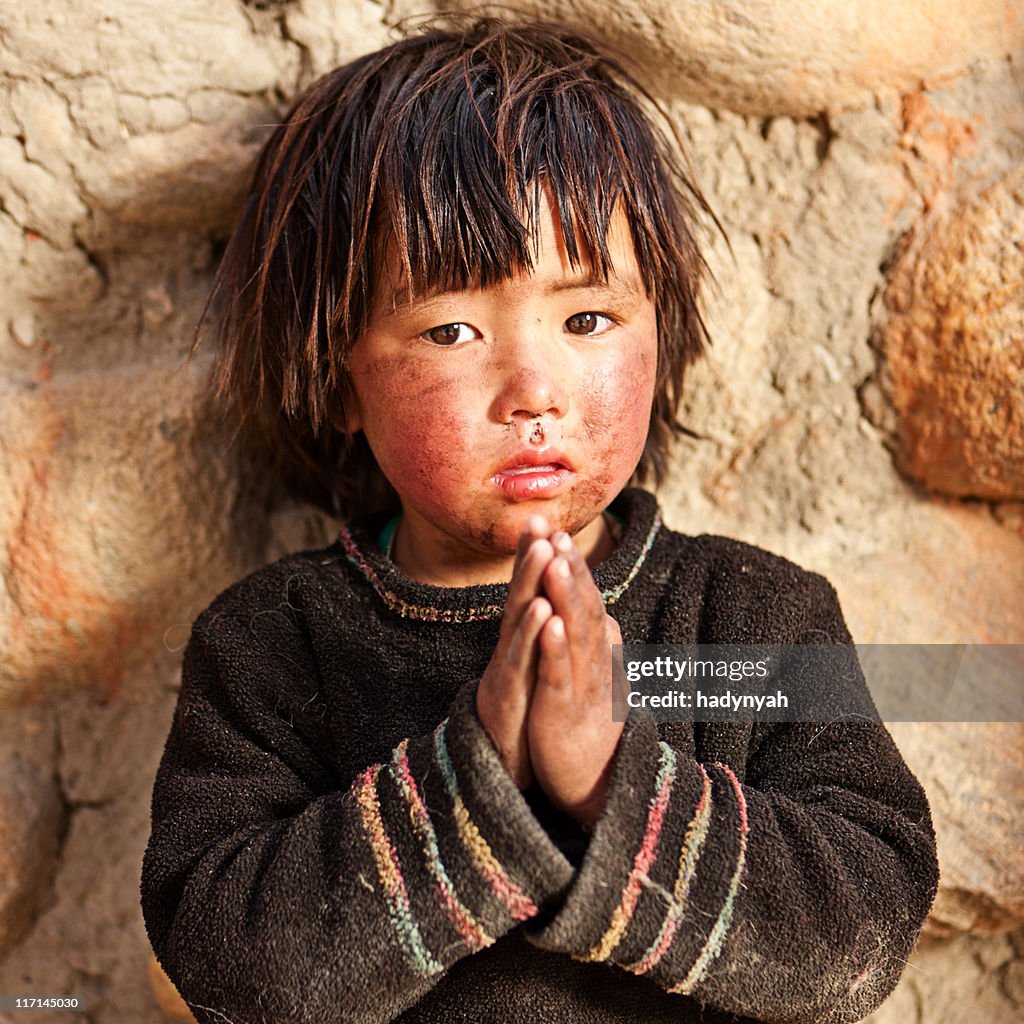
[
  {"x": 620, "y": 289},
  {"x": 628, "y": 286}
]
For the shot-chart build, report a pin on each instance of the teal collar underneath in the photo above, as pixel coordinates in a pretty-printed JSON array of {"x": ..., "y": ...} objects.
[{"x": 386, "y": 537}]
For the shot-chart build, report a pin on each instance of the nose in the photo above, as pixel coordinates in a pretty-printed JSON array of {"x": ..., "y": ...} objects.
[
  {"x": 529, "y": 393},
  {"x": 531, "y": 385}
]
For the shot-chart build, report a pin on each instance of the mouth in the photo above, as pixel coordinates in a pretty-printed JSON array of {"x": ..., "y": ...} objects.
[{"x": 534, "y": 474}]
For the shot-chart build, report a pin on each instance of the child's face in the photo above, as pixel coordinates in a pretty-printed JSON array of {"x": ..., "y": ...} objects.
[{"x": 486, "y": 406}]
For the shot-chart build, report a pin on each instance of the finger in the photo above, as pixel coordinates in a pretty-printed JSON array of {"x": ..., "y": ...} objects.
[
  {"x": 536, "y": 527},
  {"x": 554, "y": 666},
  {"x": 565, "y": 545},
  {"x": 562, "y": 542},
  {"x": 590, "y": 605},
  {"x": 588, "y": 586},
  {"x": 588, "y": 592},
  {"x": 525, "y": 585},
  {"x": 559, "y": 585},
  {"x": 601, "y": 655},
  {"x": 579, "y": 603},
  {"x": 522, "y": 651},
  {"x": 583, "y": 620},
  {"x": 587, "y": 625}
]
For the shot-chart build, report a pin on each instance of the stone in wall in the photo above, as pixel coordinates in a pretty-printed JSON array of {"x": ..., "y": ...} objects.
[
  {"x": 30, "y": 823},
  {"x": 795, "y": 58},
  {"x": 955, "y": 576},
  {"x": 953, "y": 345},
  {"x": 973, "y": 773},
  {"x": 965, "y": 979},
  {"x": 120, "y": 132},
  {"x": 939, "y": 572},
  {"x": 119, "y": 528}
]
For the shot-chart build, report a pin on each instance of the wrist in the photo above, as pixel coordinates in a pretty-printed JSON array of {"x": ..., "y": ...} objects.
[
  {"x": 587, "y": 811},
  {"x": 510, "y": 747}
]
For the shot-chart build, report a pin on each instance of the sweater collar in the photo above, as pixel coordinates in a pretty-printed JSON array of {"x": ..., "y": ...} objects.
[{"x": 408, "y": 598}]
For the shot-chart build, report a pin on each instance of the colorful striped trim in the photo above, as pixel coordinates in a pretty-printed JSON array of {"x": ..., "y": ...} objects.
[
  {"x": 463, "y": 921},
  {"x": 696, "y": 833},
  {"x": 405, "y": 608},
  {"x": 713, "y": 945},
  {"x": 430, "y": 613},
  {"x": 612, "y": 594},
  {"x": 518, "y": 904},
  {"x": 642, "y": 862},
  {"x": 390, "y": 873}
]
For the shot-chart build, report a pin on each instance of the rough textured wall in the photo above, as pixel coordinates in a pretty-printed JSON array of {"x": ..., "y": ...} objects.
[{"x": 861, "y": 411}]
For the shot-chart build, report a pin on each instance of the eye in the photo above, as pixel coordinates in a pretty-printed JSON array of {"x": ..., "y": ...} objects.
[
  {"x": 588, "y": 323},
  {"x": 450, "y": 334}
]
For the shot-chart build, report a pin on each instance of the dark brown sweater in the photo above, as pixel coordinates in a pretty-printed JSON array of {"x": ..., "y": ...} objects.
[{"x": 335, "y": 839}]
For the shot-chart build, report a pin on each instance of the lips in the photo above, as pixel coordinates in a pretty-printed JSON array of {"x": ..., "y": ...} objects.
[
  {"x": 546, "y": 467},
  {"x": 536, "y": 458},
  {"x": 533, "y": 474}
]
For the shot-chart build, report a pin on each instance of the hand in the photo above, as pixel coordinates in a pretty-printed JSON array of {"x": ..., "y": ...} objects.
[
  {"x": 570, "y": 732},
  {"x": 503, "y": 696}
]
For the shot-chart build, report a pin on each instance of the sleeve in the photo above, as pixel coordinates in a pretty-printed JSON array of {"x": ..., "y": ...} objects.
[
  {"x": 271, "y": 895},
  {"x": 788, "y": 890}
]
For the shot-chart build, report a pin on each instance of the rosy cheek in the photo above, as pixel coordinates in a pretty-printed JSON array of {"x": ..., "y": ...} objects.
[
  {"x": 416, "y": 422},
  {"x": 619, "y": 407}
]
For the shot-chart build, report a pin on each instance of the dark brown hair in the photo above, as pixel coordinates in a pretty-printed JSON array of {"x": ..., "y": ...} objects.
[{"x": 438, "y": 147}]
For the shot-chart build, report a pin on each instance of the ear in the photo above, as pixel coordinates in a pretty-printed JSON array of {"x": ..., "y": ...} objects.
[
  {"x": 352, "y": 420},
  {"x": 346, "y": 416},
  {"x": 347, "y": 421}
]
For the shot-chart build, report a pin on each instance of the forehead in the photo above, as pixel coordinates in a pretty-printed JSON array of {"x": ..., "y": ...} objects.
[{"x": 551, "y": 271}]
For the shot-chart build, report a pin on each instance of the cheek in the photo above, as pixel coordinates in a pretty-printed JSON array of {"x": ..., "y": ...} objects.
[
  {"x": 415, "y": 420},
  {"x": 619, "y": 407}
]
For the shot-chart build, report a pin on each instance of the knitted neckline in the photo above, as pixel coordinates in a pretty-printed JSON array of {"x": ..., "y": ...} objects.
[{"x": 414, "y": 600}]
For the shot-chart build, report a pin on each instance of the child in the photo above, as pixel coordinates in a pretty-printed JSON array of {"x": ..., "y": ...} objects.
[{"x": 461, "y": 299}]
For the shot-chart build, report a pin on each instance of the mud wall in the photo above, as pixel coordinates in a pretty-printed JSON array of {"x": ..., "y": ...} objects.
[{"x": 862, "y": 410}]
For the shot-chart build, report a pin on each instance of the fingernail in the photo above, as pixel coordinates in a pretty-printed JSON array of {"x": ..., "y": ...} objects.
[
  {"x": 558, "y": 627},
  {"x": 562, "y": 568},
  {"x": 537, "y": 525},
  {"x": 562, "y": 541},
  {"x": 534, "y": 545}
]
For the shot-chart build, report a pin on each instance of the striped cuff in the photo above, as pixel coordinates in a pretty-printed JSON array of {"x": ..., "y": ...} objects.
[
  {"x": 457, "y": 855},
  {"x": 656, "y": 891}
]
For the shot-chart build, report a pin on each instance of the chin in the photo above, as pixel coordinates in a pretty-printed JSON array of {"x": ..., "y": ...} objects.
[{"x": 571, "y": 518}]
